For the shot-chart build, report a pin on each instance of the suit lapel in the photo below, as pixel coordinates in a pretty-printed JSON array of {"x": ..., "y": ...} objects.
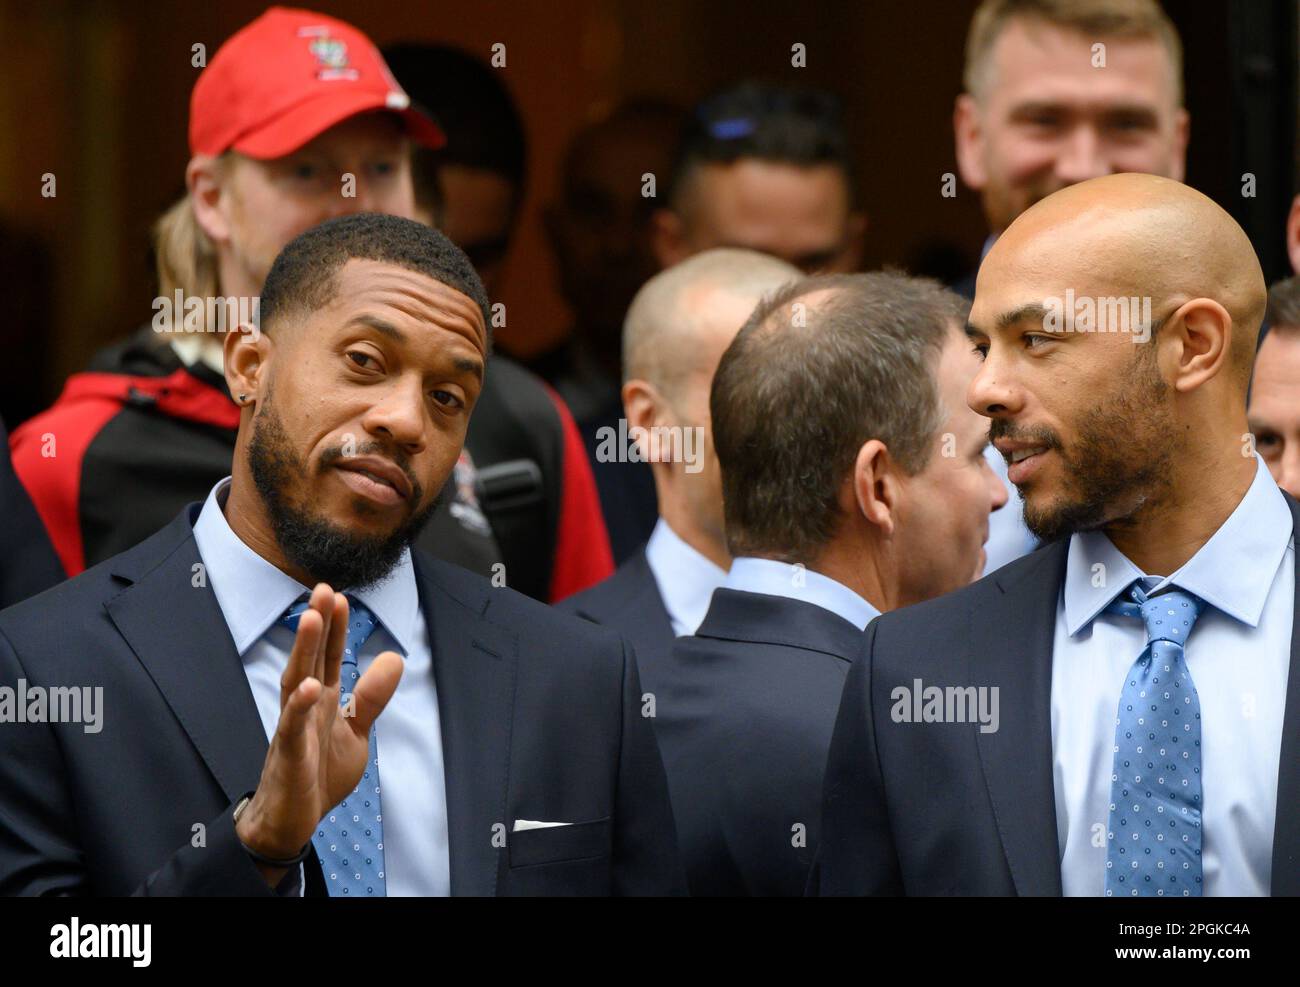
[
  {"x": 1286, "y": 827},
  {"x": 1012, "y": 643},
  {"x": 474, "y": 662},
  {"x": 177, "y": 631},
  {"x": 647, "y": 604}
]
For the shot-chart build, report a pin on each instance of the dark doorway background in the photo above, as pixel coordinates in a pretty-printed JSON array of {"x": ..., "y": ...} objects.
[{"x": 96, "y": 94}]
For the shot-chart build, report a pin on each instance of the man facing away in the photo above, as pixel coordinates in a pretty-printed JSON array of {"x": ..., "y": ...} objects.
[
  {"x": 853, "y": 482},
  {"x": 677, "y": 328}
]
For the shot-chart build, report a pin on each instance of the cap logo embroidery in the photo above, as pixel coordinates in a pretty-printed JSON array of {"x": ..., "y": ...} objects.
[{"x": 331, "y": 54}]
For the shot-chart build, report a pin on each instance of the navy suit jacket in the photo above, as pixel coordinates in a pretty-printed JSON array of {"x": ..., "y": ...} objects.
[
  {"x": 944, "y": 809},
  {"x": 540, "y": 714},
  {"x": 629, "y": 602},
  {"x": 27, "y": 560},
  {"x": 744, "y": 722}
]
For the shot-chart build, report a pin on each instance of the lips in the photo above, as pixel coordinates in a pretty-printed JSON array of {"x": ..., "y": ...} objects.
[
  {"x": 1023, "y": 458},
  {"x": 375, "y": 478}
]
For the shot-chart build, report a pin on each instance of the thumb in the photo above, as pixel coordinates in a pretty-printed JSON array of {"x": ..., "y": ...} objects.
[{"x": 374, "y": 689}]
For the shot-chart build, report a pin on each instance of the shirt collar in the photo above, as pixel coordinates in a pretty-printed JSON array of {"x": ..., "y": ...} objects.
[
  {"x": 686, "y": 578},
  {"x": 1232, "y": 572},
  {"x": 796, "y": 582},
  {"x": 253, "y": 594}
]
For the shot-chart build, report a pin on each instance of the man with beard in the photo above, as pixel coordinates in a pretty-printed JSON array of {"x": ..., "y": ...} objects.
[
  {"x": 1118, "y": 713},
  {"x": 1041, "y": 112},
  {"x": 237, "y": 747}
]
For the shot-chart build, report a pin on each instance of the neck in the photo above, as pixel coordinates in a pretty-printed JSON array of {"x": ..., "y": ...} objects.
[
  {"x": 694, "y": 534},
  {"x": 1207, "y": 489},
  {"x": 861, "y": 569},
  {"x": 248, "y": 519}
]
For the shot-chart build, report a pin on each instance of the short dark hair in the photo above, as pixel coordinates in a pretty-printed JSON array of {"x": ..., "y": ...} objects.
[
  {"x": 473, "y": 107},
  {"x": 1284, "y": 303},
  {"x": 794, "y": 399},
  {"x": 779, "y": 124},
  {"x": 303, "y": 277}
]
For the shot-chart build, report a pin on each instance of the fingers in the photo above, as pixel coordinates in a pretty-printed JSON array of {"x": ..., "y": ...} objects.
[
  {"x": 337, "y": 638},
  {"x": 374, "y": 689},
  {"x": 306, "y": 660},
  {"x": 291, "y": 733},
  {"x": 322, "y": 601},
  {"x": 302, "y": 659}
]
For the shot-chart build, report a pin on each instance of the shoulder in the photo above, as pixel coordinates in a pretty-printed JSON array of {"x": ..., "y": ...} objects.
[
  {"x": 611, "y": 595},
  {"x": 538, "y": 626},
  {"x": 945, "y": 621},
  {"x": 70, "y": 621}
]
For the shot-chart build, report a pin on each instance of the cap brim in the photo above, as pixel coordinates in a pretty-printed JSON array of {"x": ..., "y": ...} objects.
[{"x": 308, "y": 120}]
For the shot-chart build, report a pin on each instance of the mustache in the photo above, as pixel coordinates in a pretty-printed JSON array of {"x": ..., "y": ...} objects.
[
  {"x": 1039, "y": 435},
  {"x": 399, "y": 459}
]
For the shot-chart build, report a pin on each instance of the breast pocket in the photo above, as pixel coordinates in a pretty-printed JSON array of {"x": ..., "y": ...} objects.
[{"x": 557, "y": 844}]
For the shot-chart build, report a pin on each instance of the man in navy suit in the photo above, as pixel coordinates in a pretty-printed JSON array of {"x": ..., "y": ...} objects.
[
  {"x": 1118, "y": 713},
  {"x": 854, "y": 481},
  {"x": 677, "y": 328},
  {"x": 192, "y": 717}
]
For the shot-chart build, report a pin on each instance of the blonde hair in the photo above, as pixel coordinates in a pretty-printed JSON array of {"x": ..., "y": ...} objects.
[
  {"x": 1095, "y": 18},
  {"x": 184, "y": 256}
]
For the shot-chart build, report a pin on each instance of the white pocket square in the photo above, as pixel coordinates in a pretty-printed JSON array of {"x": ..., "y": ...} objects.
[{"x": 522, "y": 824}]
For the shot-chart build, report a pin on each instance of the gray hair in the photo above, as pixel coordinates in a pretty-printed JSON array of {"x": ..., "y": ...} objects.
[{"x": 820, "y": 368}]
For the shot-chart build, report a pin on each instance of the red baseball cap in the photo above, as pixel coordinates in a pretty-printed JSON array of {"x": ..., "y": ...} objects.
[{"x": 286, "y": 78}]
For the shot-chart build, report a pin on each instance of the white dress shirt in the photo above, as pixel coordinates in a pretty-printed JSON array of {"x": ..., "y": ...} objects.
[
  {"x": 799, "y": 583},
  {"x": 253, "y": 594},
  {"x": 1239, "y": 655},
  {"x": 686, "y": 578}
]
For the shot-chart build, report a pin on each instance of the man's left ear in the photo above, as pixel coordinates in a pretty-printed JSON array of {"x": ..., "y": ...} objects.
[
  {"x": 875, "y": 487},
  {"x": 1202, "y": 331},
  {"x": 246, "y": 352}
]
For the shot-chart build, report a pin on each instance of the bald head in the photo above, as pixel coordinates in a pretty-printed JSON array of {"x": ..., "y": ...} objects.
[
  {"x": 683, "y": 318},
  {"x": 1137, "y": 236},
  {"x": 1118, "y": 320}
]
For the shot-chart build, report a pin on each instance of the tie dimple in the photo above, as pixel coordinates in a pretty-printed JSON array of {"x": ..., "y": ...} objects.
[
  {"x": 1154, "y": 832},
  {"x": 350, "y": 839}
]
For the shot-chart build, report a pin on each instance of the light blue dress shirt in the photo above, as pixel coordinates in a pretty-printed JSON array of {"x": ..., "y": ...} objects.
[
  {"x": 686, "y": 578},
  {"x": 799, "y": 583},
  {"x": 253, "y": 594},
  {"x": 1239, "y": 655}
]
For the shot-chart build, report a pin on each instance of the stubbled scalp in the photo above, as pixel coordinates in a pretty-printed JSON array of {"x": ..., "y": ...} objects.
[{"x": 1139, "y": 235}]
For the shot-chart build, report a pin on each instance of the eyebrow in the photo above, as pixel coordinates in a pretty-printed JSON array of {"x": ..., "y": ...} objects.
[
  {"x": 460, "y": 363},
  {"x": 379, "y": 325}
]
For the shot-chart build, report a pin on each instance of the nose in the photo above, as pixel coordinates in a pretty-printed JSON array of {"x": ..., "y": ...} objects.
[
  {"x": 399, "y": 415},
  {"x": 1081, "y": 156},
  {"x": 991, "y": 392}
]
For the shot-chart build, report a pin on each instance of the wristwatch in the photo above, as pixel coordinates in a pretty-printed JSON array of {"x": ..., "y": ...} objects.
[{"x": 262, "y": 858}]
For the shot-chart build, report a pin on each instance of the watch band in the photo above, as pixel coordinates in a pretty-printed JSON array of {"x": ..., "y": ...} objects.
[{"x": 262, "y": 859}]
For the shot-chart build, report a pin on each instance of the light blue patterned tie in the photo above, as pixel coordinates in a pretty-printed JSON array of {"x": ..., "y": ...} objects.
[
  {"x": 350, "y": 839},
  {"x": 1154, "y": 831}
]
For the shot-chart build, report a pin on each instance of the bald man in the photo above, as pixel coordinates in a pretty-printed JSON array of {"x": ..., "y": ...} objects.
[
  {"x": 1110, "y": 715},
  {"x": 676, "y": 330}
]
